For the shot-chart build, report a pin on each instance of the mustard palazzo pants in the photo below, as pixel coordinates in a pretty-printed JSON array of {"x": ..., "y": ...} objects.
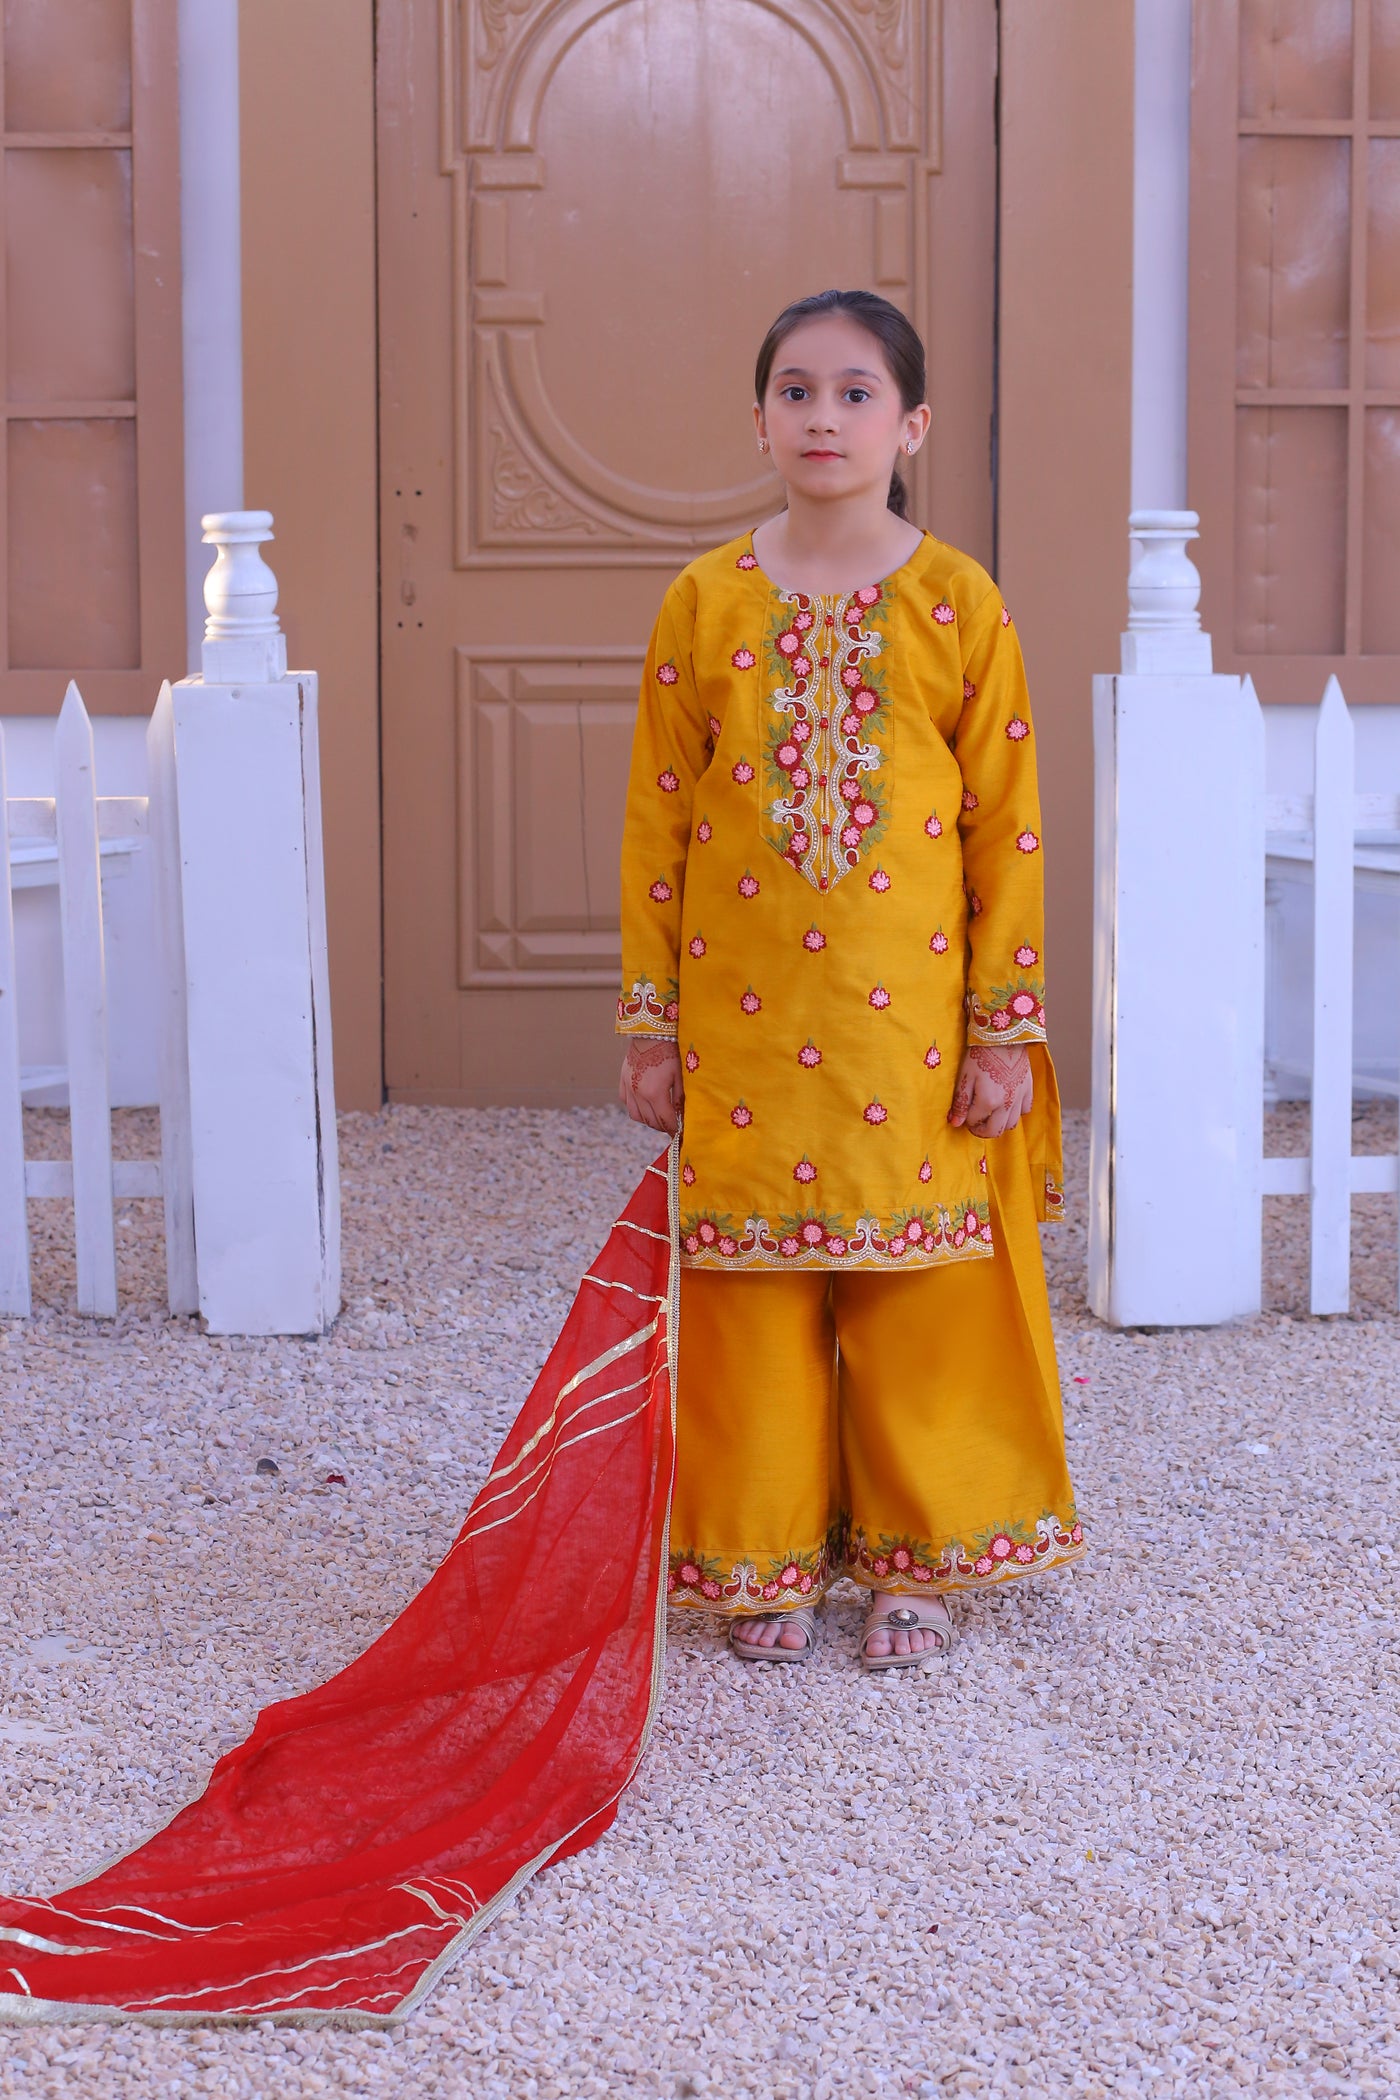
[{"x": 903, "y": 1428}]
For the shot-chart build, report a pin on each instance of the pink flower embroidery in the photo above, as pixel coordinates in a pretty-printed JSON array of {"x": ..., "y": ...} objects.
[
  {"x": 880, "y": 881},
  {"x": 708, "y": 1234},
  {"x": 804, "y": 1171},
  {"x": 801, "y": 778},
  {"x": 812, "y": 1233},
  {"x": 868, "y": 595},
  {"x": 743, "y": 659},
  {"x": 876, "y": 1112},
  {"x": 933, "y": 827},
  {"x": 850, "y": 724},
  {"x": 879, "y": 998},
  {"x": 787, "y": 755},
  {"x": 901, "y": 1558},
  {"x": 802, "y": 621},
  {"x": 747, "y": 561},
  {"x": 835, "y": 1244},
  {"x": 750, "y": 1003},
  {"x": 666, "y": 674},
  {"x": 790, "y": 1245},
  {"x": 850, "y": 792},
  {"x": 933, "y": 1057},
  {"x": 789, "y": 644},
  {"x": 864, "y": 814},
  {"x": 926, "y": 1171},
  {"x": 801, "y": 730},
  {"x": 1025, "y": 1553},
  {"x": 1026, "y": 956},
  {"x": 688, "y": 1175},
  {"x": 1005, "y": 617},
  {"x": 865, "y": 702},
  {"x": 969, "y": 689},
  {"x": 704, "y": 831},
  {"x": 809, "y": 1055},
  {"x": 660, "y": 893},
  {"x": 1016, "y": 729},
  {"x": 742, "y": 772},
  {"x": 748, "y": 885},
  {"x": 969, "y": 800},
  {"x": 668, "y": 782},
  {"x": 813, "y": 939},
  {"x": 691, "y": 1243},
  {"x": 939, "y": 942},
  {"x": 697, "y": 945},
  {"x": 850, "y": 835},
  {"x": 709, "y": 1588},
  {"x": 692, "y": 1059},
  {"x": 741, "y": 1116},
  {"x": 801, "y": 667},
  {"x": 851, "y": 675},
  {"x": 983, "y": 1566},
  {"x": 1027, "y": 842},
  {"x": 1000, "y": 1546},
  {"x": 715, "y": 726},
  {"x": 1023, "y": 1005},
  {"x": 944, "y": 614}
]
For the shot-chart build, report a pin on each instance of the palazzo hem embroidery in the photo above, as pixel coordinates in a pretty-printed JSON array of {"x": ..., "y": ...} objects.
[{"x": 893, "y": 1565}]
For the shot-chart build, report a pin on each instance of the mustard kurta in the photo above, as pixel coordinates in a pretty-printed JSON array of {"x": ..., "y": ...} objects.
[{"x": 831, "y": 880}]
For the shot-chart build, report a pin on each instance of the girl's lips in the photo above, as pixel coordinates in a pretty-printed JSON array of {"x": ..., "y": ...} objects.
[{"x": 819, "y": 454}]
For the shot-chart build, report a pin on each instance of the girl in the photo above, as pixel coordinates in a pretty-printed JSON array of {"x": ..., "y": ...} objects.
[{"x": 832, "y": 957}]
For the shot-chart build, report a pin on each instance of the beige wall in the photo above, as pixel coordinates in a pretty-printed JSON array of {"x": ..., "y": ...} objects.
[
  {"x": 1066, "y": 355},
  {"x": 307, "y": 93}
]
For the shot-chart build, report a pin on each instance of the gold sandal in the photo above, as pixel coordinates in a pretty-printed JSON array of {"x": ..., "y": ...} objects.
[
  {"x": 801, "y": 1615},
  {"x": 905, "y": 1618}
]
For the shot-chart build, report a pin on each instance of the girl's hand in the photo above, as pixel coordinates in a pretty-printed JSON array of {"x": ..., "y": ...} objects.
[
  {"x": 651, "y": 1088},
  {"x": 994, "y": 1090}
]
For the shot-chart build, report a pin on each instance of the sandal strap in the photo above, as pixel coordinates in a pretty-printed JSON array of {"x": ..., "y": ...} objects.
[{"x": 906, "y": 1618}]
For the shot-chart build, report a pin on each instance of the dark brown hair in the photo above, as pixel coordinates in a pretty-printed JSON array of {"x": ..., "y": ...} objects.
[{"x": 897, "y": 336}]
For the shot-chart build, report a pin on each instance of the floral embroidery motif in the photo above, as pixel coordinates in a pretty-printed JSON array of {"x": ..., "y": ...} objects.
[
  {"x": 696, "y": 945},
  {"x": 880, "y": 881},
  {"x": 804, "y": 1170},
  {"x": 742, "y": 772},
  {"x": 743, "y": 659},
  {"x": 1017, "y": 729},
  {"x": 821, "y": 1239},
  {"x": 969, "y": 800},
  {"x": 876, "y": 1112},
  {"x": 1005, "y": 617},
  {"x": 993, "y": 1556},
  {"x": 926, "y": 1171},
  {"x": 944, "y": 614},
  {"x": 809, "y": 1056},
  {"x": 1054, "y": 1202},
  {"x": 939, "y": 942},
  {"x": 748, "y": 885},
  {"x": 933, "y": 827},
  {"x": 715, "y": 725},
  {"x": 1027, "y": 842},
  {"x": 750, "y": 1003},
  {"x": 814, "y": 940},
  {"x": 933, "y": 1057},
  {"x": 660, "y": 892},
  {"x": 688, "y": 1175},
  {"x": 692, "y": 1578},
  {"x": 974, "y": 905},
  {"x": 1026, "y": 957},
  {"x": 747, "y": 560},
  {"x": 826, "y": 804},
  {"x": 704, "y": 831},
  {"x": 668, "y": 782},
  {"x": 692, "y": 1060},
  {"x": 667, "y": 674},
  {"x": 741, "y": 1115},
  {"x": 646, "y": 1004},
  {"x": 1015, "y": 1012},
  {"x": 879, "y": 998},
  {"x": 969, "y": 689}
]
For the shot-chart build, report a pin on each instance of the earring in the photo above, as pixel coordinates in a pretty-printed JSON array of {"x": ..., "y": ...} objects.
[
  {"x": 763, "y": 444},
  {"x": 909, "y": 444}
]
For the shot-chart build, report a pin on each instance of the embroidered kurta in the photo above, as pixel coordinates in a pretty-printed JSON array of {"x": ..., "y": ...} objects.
[{"x": 831, "y": 880}]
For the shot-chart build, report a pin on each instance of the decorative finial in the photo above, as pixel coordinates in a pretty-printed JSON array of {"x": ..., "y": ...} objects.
[
  {"x": 1164, "y": 594},
  {"x": 243, "y": 640}
]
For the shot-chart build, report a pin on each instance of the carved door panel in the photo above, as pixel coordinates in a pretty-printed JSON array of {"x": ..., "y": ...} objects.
[{"x": 589, "y": 212}]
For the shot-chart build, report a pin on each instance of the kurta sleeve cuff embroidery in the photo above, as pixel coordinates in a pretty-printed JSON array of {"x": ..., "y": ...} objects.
[
  {"x": 671, "y": 748},
  {"x": 1000, "y": 830}
]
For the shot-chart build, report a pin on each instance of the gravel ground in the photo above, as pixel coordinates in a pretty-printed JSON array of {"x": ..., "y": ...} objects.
[{"x": 1138, "y": 1836}]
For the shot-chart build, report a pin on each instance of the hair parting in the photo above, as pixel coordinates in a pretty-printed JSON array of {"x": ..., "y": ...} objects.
[{"x": 897, "y": 336}]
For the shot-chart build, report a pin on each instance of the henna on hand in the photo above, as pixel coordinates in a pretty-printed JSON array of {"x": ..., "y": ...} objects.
[
  {"x": 644, "y": 1051},
  {"x": 1006, "y": 1071}
]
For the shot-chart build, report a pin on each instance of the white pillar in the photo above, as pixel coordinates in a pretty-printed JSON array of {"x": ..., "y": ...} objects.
[
  {"x": 1161, "y": 227},
  {"x": 262, "y": 1108},
  {"x": 212, "y": 281}
]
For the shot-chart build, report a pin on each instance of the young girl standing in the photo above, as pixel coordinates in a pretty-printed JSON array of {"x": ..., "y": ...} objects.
[{"x": 832, "y": 925}]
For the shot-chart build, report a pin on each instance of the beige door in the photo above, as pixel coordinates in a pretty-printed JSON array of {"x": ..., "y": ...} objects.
[{"x": 589, "y": 212}]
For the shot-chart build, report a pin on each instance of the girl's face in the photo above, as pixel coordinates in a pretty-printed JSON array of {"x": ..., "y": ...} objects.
[{"x": 832, "y": 413}]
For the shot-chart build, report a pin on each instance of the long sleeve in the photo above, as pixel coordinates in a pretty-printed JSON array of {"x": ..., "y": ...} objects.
[
  {"x": 1000, "y": 829},
  {"x": 670, "y": 749}
]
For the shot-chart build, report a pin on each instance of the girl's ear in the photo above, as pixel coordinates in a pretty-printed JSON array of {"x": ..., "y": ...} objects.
[
  {"x": 916, "y": 426},
  {"x": 759, "y": 431}
]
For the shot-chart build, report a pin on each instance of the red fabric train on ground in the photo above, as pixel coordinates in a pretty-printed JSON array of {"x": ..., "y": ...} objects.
[{"x": 346, "y": 1854}]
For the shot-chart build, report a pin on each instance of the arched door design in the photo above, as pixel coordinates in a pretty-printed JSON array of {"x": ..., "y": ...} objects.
[{"x": 589, "y": 212}]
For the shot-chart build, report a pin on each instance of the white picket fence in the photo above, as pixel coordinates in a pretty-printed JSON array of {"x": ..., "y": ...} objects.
[
  {"x": 248, "y": 1160},
  {"x": 77, "y": 820},
  {"x": 1326, "y": 828}
]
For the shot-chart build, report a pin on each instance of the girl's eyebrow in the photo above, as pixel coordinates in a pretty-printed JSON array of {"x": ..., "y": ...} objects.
[{"x": 801, "y": 372}]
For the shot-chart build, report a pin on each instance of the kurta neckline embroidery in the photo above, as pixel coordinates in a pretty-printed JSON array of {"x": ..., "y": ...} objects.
[{"x": 831, "y": 736}]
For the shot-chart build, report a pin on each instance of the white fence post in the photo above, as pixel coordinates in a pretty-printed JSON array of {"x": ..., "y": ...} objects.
[
  {"x": 177, "y": 1185},
  {"x": 266, "y": 1204},
  {"x": 1334, "y": 855},
  {"x": 14, "y": 1216},
  {"x": 85, "y": 1008},
  {"x": 1177, "y": 1124}
]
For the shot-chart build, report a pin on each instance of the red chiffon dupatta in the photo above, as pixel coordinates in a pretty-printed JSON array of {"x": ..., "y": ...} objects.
[{"x": 347, "y": 1853}]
